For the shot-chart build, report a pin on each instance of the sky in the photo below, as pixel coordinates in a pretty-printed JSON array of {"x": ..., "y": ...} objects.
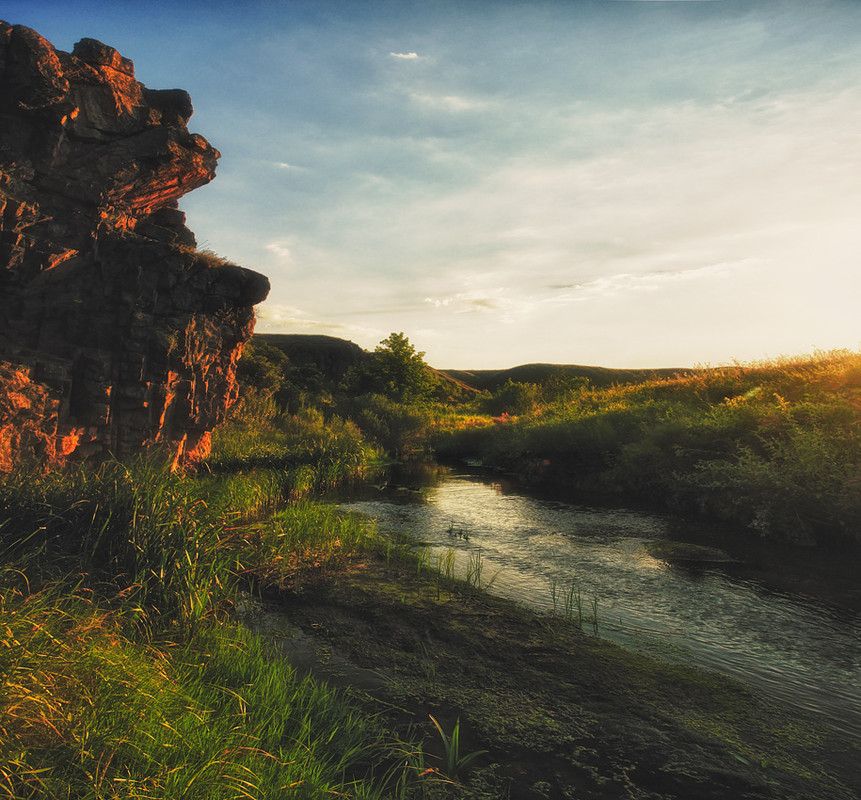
[{"x": 623, "y": 183}]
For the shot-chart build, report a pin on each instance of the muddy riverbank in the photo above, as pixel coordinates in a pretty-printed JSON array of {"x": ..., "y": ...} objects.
[{"x": 561, "y": 713}]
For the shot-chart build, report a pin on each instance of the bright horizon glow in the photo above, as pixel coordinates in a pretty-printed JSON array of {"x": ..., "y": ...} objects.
[{"x": 623, "y": 183}]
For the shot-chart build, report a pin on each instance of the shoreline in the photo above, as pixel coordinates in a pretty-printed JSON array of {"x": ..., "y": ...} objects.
[{"x": 560, "y": 713}]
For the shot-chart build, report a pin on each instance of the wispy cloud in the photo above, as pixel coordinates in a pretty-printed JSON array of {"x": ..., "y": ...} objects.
[
  {"x": 273, "y": 318},
  {"x": 651, "y": 282},
  {"x": 405, "y": 56},
  {"x": 281, "y": 248},
  {"x": 447, "y": 102},
  {"x": 465, "y": 303}
]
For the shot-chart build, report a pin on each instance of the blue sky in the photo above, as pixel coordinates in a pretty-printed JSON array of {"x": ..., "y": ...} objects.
[{"x": 628, "y": 183}]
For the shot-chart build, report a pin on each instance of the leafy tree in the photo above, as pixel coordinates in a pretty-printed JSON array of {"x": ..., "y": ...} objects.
[
  {"x": 261, "y": 367},
  {"x": 395, "y": 370},
  {"x": 400, "y": 428},
  {"x": 515, "y": 398}
]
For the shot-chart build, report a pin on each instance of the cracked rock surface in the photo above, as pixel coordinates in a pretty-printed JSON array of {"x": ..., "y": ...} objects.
[{"x": 116, "y": 335}]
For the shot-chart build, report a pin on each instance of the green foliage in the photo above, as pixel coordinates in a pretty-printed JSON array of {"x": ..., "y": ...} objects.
[
  {"x": 775, "y": 447},
  {"x": 514, "y": 398},
  {"x": 395, "y": 370},
  {"x": 290, "y": 456},
  {"x": 262, "y": 377},
  {"x": 399, "y": 428}
]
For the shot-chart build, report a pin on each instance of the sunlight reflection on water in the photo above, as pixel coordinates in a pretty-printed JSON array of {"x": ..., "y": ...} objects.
[{"x": 791, "y": 648}]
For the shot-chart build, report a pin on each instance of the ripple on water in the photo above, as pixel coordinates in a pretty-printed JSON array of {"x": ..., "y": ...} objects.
[{"x": 791, "y": 648}]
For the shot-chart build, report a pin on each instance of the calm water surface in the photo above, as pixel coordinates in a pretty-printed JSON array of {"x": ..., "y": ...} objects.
[{"x": 794, "y": 649}]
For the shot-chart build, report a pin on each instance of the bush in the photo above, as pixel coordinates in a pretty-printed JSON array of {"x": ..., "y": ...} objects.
[{"x": 399, "y": 428}]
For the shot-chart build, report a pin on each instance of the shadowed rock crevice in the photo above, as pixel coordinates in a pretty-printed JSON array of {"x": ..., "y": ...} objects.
[{"x": 115, "y": 334}]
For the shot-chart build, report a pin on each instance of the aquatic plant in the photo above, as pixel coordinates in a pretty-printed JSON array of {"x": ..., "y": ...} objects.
[
  {"x": 573, "y": 603},
  {"x": 453, "y": 762},
  {"x": 475, "y": 572}
]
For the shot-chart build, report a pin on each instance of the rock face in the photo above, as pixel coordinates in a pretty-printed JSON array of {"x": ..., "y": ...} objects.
[{"x": 116, "y": 336}]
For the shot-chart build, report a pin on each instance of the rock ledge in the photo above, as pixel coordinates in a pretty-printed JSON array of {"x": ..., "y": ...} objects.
[{"x": 116, "y": 335}]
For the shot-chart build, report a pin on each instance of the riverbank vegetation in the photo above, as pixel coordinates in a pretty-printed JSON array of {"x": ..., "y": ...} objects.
[
  {"x": 772, "y": 447},
  {"x": 128, "y": 668},
  {"x": 125, "y": 671}
]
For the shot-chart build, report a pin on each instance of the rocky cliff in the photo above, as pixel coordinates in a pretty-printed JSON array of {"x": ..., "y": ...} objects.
[{"x": 115, "y": 334}]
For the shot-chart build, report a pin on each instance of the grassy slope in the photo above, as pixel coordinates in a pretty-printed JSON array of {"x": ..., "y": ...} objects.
[
  {"x": 773, "y": 447},
  {"x": 122, "y": 677}
]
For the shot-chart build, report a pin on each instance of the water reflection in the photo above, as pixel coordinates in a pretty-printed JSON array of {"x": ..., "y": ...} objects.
[{"x": 796, "y": 650}]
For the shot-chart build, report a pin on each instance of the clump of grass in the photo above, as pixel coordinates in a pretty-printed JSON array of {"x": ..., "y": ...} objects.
[
  {"x": 304, "y": 536},
  {"x": 140, "y": 528},
  {"x": 84, "y": 712},
  {"x": 454, "y": 762}
]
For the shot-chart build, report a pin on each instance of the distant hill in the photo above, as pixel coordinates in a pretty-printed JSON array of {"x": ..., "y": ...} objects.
[
  {"x": 333, "y": 357},
  {"x": 492, "y": 379},
  {"x": 330, "y": 355}
]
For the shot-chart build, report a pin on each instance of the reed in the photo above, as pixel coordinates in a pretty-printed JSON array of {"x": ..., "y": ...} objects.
[
  {"x": 444, "y": 569},
  {"x": 475, "y": 577},
  {"x": 573, "y": 602}
]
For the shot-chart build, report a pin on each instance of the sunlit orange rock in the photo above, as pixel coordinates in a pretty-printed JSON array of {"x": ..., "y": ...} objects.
[{"x": 116, "y": 335}]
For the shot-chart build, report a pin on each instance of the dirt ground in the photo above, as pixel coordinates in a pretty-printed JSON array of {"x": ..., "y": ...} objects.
[{"x": 560, "y": 712}]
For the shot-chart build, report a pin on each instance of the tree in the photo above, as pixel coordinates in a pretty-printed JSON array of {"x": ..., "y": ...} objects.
[
  {"x": 514, "y": 397},
  {"x": 395, "y": 370}
]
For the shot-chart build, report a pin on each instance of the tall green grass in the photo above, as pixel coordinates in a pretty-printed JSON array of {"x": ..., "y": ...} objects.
[
  {"x": 258, "y": 466},
  {"x": 119, "y": 676},
  {"x": 84, "y": 712},
  {"x": 303, "y": 537},
  {"x": 334, "y": 448},
  {"x": 141, "y": 532}
]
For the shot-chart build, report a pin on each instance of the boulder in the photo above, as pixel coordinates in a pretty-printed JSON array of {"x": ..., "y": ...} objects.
[{"x": 116, "y": 335}]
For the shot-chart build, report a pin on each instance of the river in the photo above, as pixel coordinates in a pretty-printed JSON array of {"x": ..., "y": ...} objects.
[{"x": 801, "y": 650}]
